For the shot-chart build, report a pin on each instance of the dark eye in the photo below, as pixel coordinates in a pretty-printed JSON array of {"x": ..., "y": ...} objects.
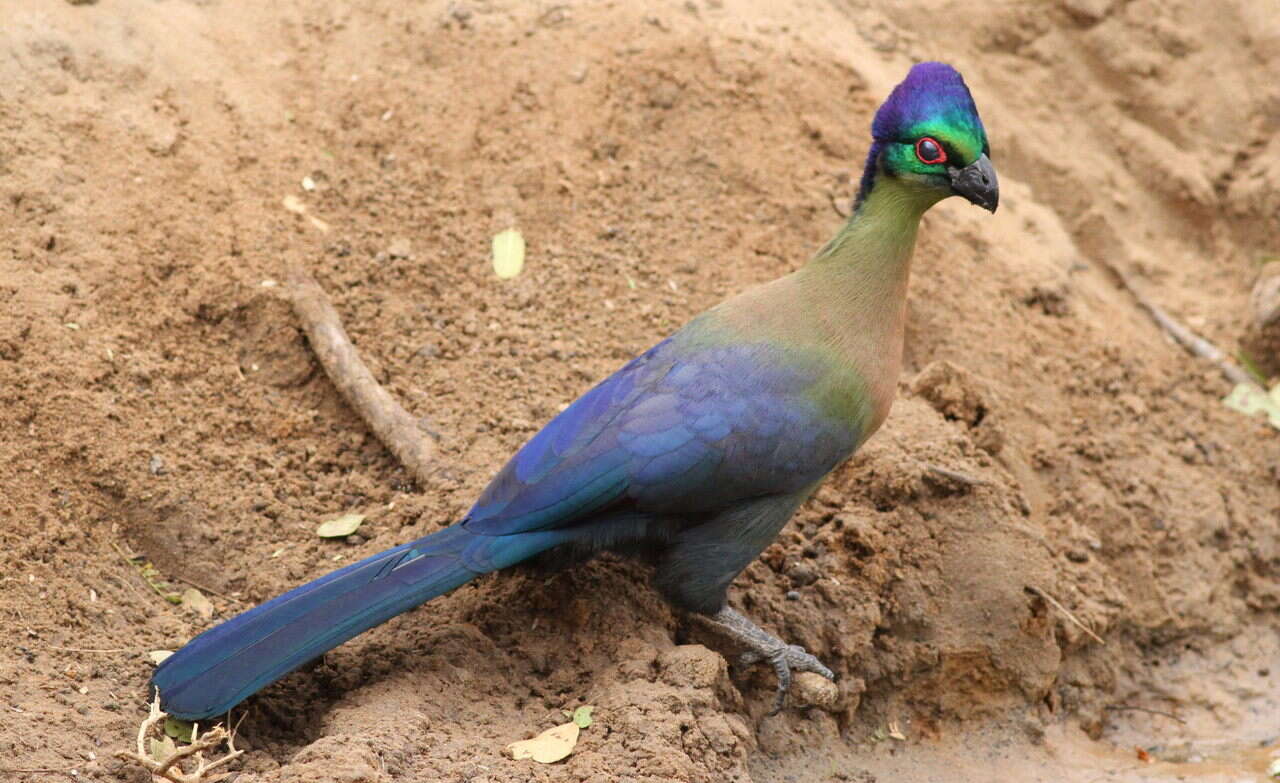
[{"x": 929, "y": 151}]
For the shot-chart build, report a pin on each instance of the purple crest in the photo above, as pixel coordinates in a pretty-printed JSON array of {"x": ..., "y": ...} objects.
[{"x": 931, "y": 90}]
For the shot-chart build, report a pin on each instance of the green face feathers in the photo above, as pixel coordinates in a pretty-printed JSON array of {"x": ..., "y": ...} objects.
[
  {"x": 928, "y": 125},
  {"x": 933, "y": 101}
]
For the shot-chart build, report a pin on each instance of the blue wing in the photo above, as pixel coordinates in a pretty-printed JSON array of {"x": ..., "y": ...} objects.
[{"x": 679, "y": 430}]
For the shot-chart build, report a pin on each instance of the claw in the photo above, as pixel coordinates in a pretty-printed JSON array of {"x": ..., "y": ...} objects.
[
  {"x": 788, "y": 659},
  {"x": 783, "y": 671},
  {"x": 763, "y": 646}
]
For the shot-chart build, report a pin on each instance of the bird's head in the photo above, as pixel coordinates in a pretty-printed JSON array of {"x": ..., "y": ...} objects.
[{"x": 928, "y": 136}]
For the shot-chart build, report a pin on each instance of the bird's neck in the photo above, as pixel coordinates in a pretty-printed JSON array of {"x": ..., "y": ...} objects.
[
  {"x": 856, "y": 285},
  {"x": 848, "y": 304},
  {"x": 861, "y": 274},
  {"x": 879, "y": 236}
]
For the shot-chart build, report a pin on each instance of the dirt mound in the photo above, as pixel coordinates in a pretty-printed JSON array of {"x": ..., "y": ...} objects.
[{"x": 1050, "y": 452}]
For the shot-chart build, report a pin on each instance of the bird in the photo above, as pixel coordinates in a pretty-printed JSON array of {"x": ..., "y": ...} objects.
[{"x": 695, "y": 453}]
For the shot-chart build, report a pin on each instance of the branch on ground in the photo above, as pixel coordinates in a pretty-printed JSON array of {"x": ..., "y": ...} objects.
[
  {"x": 1188, "y": 339},
  {"x": 399, "y": 431}
]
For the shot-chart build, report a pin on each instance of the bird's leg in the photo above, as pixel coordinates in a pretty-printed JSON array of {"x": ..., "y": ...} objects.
[{"x": 764, "y": 646}]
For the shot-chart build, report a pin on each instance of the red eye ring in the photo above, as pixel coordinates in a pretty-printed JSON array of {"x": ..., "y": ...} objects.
[{"x": 929, "y": 151}]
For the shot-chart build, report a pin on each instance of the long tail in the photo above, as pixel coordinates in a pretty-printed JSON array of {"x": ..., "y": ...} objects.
[{"x": 229, "y": 662}]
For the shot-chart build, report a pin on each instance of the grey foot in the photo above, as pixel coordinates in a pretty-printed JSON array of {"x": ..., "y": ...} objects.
[{"x": 764, "y": 646}]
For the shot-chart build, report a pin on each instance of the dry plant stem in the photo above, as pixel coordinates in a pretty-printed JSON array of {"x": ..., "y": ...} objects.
[
  {"x": 208, "y": 590},
  {"x": 391, "y": 423},
  {"x": 89, "y": 649},
  {"x": 133, "y": 566},
  {"x": 1130, "y": 708},
  {"x": 1193, "y": 342},
  {"x": 170, "y": 769},
  {"x": 955, "y": 475},
  {"x": 835, "y": 205},
  {"x": 1054, "y": 602}
]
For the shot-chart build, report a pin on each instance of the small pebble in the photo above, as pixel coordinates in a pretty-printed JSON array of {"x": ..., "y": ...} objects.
[
  {"x": 1077, "y": 555},
  {"x": 400, "y": 248},
  {"x": 460, "y": 12},
  {"x": 815, "y": 690},
  {"x": 793, "y": 595},
  {"x": 802, "y": 574}
]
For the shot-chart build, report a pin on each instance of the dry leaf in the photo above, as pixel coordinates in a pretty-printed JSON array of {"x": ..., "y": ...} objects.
[
  {"x": 344, "y": 525},
  {"x": 179, "y": 729},
  {"x": 157, "y": 656},
  {"x": 548, "y": 747},
  {"x": 1143, "y": 756},
  {"x": 162, "y": 748},
  {"x": 508, "y": 253},
  {"x": 1251, "y": 400},
  {"x": 895, "y": 732}
]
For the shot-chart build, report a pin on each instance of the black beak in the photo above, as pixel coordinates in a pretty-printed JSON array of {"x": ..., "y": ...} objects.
[{"x": 977, "y": 182}]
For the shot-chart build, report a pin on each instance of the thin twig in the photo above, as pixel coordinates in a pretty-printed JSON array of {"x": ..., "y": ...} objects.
[
  {"x": 180, "y": 578},
  {"x": 955, "y": 475},
  {"x": 835, "y": 204},
  {"x": 125, "y": 583},
  {"x": 1193, "y": 342},
  {"x": 1130, "y": 708},
  {"x": 1054, "y": 602},
  {"x": 1034, "y": 536},
  {"x": 391, "y": 423},
  {"x": 134, "y": 567},
  {"x": 89, "y": 650},
  {"x": 209, "y": 590}
]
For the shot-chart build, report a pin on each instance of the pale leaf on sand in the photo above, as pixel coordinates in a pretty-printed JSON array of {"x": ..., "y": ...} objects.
[
  {"x": 344, "y": 525},
  {"x": 508, "y": 253},
  {"x": 1251, "y": 400},
  {"x": 179, "y": 729},
  {"x": 548, "y": 747},
  {"x": 162, "y": 748}
]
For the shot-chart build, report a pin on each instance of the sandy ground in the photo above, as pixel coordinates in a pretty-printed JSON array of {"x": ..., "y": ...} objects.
[{"x": 157, "y": 397}]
